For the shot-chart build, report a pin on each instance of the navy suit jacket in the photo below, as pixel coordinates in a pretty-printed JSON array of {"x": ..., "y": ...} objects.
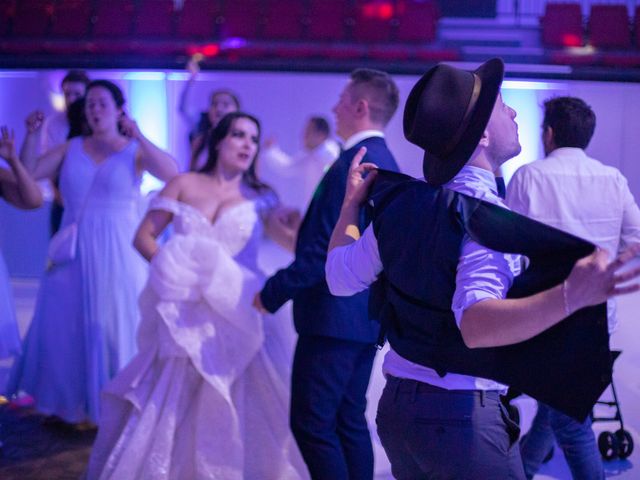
[{"x": 315, "y": 310}]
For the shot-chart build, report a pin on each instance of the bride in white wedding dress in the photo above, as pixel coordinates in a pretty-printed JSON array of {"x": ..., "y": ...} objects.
[{"x": 207, "y": 396}]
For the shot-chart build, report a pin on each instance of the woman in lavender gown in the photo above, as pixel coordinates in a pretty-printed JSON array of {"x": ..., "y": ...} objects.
[{"x": 86, "y": 316}]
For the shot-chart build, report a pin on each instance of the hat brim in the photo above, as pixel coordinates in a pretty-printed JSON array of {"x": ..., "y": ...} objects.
[{"x": 440, "y": 170}]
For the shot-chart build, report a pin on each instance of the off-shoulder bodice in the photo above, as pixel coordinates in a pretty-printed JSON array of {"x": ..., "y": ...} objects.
[{"x": 238, "y": 229}]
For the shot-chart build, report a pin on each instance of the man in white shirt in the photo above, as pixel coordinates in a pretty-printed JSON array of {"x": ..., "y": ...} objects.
[
  {"x": 580, "y": 195},
  {"x": 296, "y": 177},
  {"x": 435, "y": 424}
]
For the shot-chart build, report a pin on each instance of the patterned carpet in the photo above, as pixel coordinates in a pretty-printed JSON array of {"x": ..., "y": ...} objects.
[{"x": 34, "y": 448}]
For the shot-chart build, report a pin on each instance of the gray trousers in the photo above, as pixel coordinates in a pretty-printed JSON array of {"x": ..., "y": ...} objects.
[{"x": 432, "y": 433}]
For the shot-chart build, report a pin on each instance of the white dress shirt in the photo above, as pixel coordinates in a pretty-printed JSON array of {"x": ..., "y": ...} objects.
[
  {"x": 356, "y": 138},
  {"x": 482, "y": 274},
  {"x": 578, "y": 194},
  {"x": 296, "y": 177},
  {"x": 54, "y": 131}
]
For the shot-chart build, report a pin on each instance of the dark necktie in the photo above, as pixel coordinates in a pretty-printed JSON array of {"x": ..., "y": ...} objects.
[{"x": 502, "y": 189}]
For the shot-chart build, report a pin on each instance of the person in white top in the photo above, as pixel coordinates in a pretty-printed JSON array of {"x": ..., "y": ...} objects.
[
  {"x": 433, "y": 424},
  {"x": 296, "y": 177},
  {"x": 55, "y": 127},
  {"x": 46, "y": 133},
  {"x": 580, "y": 195}
]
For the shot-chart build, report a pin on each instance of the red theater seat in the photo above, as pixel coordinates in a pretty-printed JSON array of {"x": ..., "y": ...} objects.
[
  {"x": 328, "y": 19},
  {"x": 636, "y": 22},
  {"x": 154, "y": 18},
  {"x": 71, "y": 18},
  {"x": 113, "y": 18},
  {"x": 562, "y": 25},
  {"x": 609, "y": 26},
  {"x": 32, "y": 17},
  {"x": 417, "y": 21},
  {"x": 563, "y": 57},
  {"x": 7, "y": 12},
  {"x": 621, "y": 59},
  {"x": 241, "y": 19},
  {"x": 284, "y": 20},
  {"x": 198, "y": 19},
  {"x": 373, "y": 20},
  {"x": 438, "y": 55}
]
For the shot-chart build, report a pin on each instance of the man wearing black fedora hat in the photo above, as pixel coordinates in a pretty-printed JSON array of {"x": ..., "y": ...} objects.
[{"x": 433, "y": 255}]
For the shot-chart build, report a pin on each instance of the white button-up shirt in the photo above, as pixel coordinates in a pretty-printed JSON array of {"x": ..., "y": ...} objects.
[
  {"x": 296, "y": 177},
  {"x": 578, "y": 194},
  {"x": 482, "y": 274}
]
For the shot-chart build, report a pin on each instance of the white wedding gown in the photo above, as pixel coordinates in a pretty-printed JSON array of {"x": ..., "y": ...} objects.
[{"x": 207, "y": 396}]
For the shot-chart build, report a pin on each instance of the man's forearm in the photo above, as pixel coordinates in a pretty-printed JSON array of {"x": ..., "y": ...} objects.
[
  {"x": 495, "y": 323},
  {"x": 346, "y": 230}
]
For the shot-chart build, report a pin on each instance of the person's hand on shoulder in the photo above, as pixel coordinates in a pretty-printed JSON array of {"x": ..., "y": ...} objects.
[{"x": 359, "y": 180}]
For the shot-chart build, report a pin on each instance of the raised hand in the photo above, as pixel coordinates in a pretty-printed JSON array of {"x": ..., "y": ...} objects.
[
  {"x": 593, "y": 279},
  {"x": 193, "y": 65},
  {"x": 359, "y": 179},
  {"x": 34, "y": 121},
  {"x": 7, "y": 144}
]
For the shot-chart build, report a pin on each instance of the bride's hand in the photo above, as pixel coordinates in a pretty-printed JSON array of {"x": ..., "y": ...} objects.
[
  {"x": 282, "y": 226},
  {"x": 288, "y": 217},
  {"x": 257, "y": 304}
]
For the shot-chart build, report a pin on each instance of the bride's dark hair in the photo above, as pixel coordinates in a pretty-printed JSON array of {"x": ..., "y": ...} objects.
[{"x": 221, "y": 130}]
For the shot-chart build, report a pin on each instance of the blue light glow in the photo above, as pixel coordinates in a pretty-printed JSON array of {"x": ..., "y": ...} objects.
[
  {"x": 148, "y": 103},
  {"x": 526, "y": 98}
]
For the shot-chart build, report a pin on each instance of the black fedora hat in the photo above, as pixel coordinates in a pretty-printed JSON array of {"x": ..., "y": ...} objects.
[{"x": 446, "y": 114}]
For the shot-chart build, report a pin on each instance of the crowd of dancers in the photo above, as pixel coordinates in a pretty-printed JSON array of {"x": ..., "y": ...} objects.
[{"x": 153, "y": 324}]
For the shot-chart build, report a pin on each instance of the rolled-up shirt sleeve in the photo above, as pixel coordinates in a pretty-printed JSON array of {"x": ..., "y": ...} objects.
[
  {"x": 482, "y": 274},
  {"x": 353, "y": 268}
]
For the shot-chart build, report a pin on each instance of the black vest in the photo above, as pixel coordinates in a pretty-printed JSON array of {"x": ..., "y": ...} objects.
[{"x": 419, "y": 229}]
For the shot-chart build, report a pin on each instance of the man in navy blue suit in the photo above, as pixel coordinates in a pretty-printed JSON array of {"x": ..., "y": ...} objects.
[{"x": 336, "y": 338}]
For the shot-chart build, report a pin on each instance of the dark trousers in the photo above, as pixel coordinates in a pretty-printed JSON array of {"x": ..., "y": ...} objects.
[
  {"x": 328, "y": 387},
  {"x": 432, "y": 433}
]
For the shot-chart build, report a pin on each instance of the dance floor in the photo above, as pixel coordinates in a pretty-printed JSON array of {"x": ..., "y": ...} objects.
[{"x": 35, "y": 449}]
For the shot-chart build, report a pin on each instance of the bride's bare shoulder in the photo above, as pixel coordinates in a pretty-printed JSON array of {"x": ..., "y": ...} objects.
[{"x": 184, "y": 183}]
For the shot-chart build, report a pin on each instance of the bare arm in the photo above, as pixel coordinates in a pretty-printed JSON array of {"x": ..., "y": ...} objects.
[
  {"x": 195, "y": 151},
  {"x": 155, "y": 221},
  {"x": 282, "y": 226},
  {"x": 183, "y": 105},
  {"x": 150, "y": 157},
  {"x": 18, "y": 187},
  {"x": 153, "y": 224},
  {"x": 48, "y": 164},
  {"x": 346, "y": 230},
  {"x": 30, "y": 149},
  {"x": 493, "y": 322}
]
